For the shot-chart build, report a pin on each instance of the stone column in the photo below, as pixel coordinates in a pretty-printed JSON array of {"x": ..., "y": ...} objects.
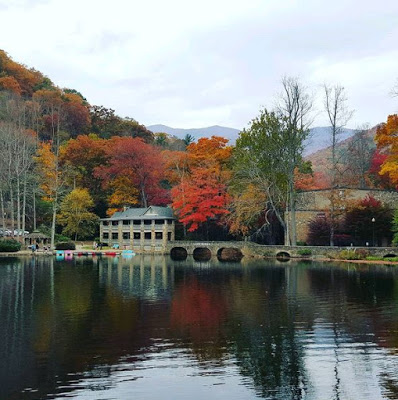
[
  {"x": 142, "y": 235},
  {"x": 131, "y": 234},
  {"x": 164, "y": 233},
  {"x": 120, "y": 234},
  {"x": 153, "y": 234}
]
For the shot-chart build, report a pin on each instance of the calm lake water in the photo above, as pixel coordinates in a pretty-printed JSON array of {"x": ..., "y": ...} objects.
[{"x": 152, "y": 328}]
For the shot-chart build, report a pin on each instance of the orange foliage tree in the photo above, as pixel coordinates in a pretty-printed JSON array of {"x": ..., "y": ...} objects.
[
  {"x": 81, "y": 156},
  {"x": 131, "y": 160},
  {"x": 387, "y": 142},
  {"x": 202, "y": 196}
]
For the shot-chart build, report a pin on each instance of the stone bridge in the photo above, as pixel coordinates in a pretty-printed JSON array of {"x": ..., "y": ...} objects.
[{"x": 233, "y": 251}]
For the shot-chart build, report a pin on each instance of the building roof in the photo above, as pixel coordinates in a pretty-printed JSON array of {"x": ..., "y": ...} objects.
[
  {"x": 36, "y": 235},
  {"x": 151, "y": 212}
]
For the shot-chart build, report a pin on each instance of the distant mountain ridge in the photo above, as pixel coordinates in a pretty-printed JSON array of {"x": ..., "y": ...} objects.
[
  {"x": 319, "y": 136},
  {"x": 197, "y": 133}
]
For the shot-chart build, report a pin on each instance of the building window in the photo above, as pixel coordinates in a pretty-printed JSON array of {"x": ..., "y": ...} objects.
[
  {"x": 159, "y": 221},
  {"x": 115, "y": 235},
  {"x": 137, "y": 235},
  {"x": 147, "y": 222},
  {"x": 158, "y": 235},
  {"x": 126, "y": 222},
  {"x": 115, "y": 223},
  {"x": 147, "y": 235},
  {"x": 126, "y": 235},
  {"x": 136, "y": 222},
  {"x": 105, "y": 223},
  {"x": 105, "y": 235},
  {"x": 168, "y": 235}
]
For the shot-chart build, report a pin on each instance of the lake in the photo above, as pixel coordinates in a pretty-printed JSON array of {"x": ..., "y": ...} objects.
[{"x": 148, "y": 327}]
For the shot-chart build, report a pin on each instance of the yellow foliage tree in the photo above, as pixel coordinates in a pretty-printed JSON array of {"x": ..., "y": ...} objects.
[
  {"x": 387, "y": 142},
  {"x": 51, "y": 180},
  {"x": 75, "y": 214},
  {"x": 123, "y": 194}
]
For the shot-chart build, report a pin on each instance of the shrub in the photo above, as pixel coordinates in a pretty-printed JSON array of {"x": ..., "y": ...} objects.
[
  {"x": 363, "y": 253},
  {"x": 304, "y": 252},
  {"x": 61, "y": 238},
  {"x": 9, "y": 245},
  {"x": 299, "y": 243},
  {"x": 348, "y": 255},
  {"x": 65, "y": 246},
  {"x": 318, "y": 232}
]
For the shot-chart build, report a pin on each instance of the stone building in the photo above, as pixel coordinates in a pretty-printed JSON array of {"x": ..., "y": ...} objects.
[
  {"x": 316, "y": 203},
  {"x": 140, "y": 229}
]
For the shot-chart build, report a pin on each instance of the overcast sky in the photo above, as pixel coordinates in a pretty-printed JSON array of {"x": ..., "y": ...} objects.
[{"x": 210, "y": 62}]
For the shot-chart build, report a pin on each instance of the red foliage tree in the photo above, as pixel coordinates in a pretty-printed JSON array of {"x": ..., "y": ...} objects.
[
  {"x": 202, "y": 196},
  {"x": 381, "y": 181},
  {"x": 141, "y": 162}
]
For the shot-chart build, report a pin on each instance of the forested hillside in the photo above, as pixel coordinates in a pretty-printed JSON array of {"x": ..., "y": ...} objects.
[{"x": 58, "y": 151}]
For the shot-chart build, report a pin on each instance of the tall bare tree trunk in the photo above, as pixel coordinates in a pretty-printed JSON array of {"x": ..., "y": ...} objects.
[
  {"x": 12, "y": 215},
  {"x": 24, "y": 206},
  {"x": 338, "y": 115},
  {"x": 34, "y": 210},
  {"x": 54, "y": 217},
  {"x": 3, "y": 213},
  {"x": 18, "y": 208}
]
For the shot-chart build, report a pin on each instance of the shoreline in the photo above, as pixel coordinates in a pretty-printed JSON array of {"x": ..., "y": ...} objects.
[{"x": 88, "y": 253}]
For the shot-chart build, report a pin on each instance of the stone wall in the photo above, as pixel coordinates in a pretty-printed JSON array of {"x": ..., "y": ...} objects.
[
  {"x": 250, "y": 249},
  {"x": 316, "y": 203}
]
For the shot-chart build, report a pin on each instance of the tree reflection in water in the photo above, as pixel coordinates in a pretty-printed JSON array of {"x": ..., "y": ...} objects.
[{"x": 290, "y": 331}]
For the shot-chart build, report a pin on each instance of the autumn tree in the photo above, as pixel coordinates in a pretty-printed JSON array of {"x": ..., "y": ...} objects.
[
  {"x": 368, "y": 220},
  {"x": 387, "y": 142},
  {"x": 141, "y": 163},
  {"x": 52, "y": 180},
  {"x": 247, "y": 205},
  {"x": 81, "y": 156},
  {"x": 202, "y": 196},
  {"x": 378, "y": 180},
  {"x": 75, "y": 214},
  {"x": 105, "y": 123},
  {"x": 77, "y": 114}
]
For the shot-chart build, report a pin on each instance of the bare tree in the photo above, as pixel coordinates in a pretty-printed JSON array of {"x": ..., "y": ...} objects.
[
  {"x": 295, "y": 106},
  {"x": 335, "y": 102},
  {"x": 358, "y": 157}
]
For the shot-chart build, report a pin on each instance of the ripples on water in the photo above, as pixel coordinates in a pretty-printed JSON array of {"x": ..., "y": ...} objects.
[{"x": 152, "y": 328}]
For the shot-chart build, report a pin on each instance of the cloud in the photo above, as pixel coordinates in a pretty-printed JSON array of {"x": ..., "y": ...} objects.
[{"x": 194, "y": 64}]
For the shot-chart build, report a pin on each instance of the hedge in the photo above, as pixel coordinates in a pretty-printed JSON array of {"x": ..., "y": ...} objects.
[
  {"x": 9, "y": 245},
  {"x": 65, "y": 246}
]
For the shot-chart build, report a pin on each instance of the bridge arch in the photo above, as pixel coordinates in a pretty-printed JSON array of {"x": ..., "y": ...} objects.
[
  {"x": 178, "y": 253},
  {"x": 229, "y": 254},
  {"x": 282, "y": 256},
  {"x": 201, "y": 254},
  {"x": 390, "y": 255}
]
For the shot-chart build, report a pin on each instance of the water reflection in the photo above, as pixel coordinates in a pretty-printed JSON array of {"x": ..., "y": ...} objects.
[{"x": 155, "y": 328}]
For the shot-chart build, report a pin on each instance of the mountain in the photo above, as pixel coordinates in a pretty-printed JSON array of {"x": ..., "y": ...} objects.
[
  {"x": 319, "y": 136},
  {"x": 320, "y": 159},
  {"x": 197, "y": 133}
]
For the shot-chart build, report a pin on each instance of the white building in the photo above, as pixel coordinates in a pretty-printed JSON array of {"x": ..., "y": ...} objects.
[{"x": 141, "y": 229}]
